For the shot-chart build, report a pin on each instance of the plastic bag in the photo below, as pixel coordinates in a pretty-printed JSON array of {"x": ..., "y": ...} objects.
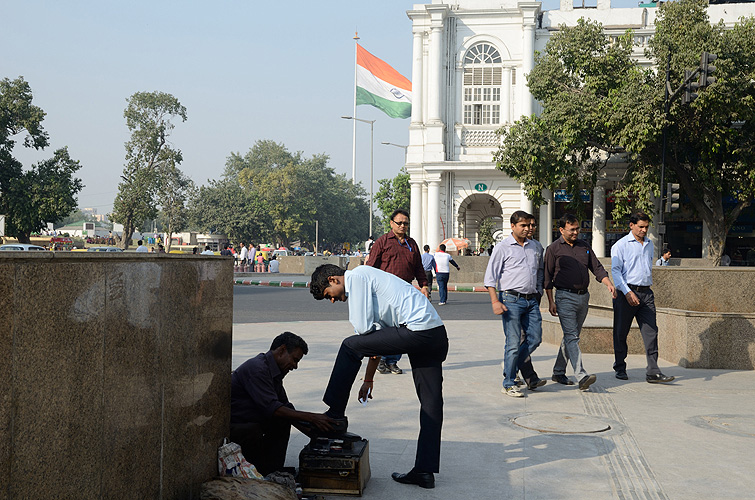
[{"x": 231, "y": 462}]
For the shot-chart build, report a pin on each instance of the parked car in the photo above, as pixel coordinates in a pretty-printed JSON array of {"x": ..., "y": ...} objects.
[
  {"x": 281, "y": 253},
  {"x": 20, "y": 247},
  {"x": 104, "y": 249}
]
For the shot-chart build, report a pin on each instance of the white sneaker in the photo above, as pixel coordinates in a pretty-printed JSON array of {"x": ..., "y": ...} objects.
[
  {"x": 441, "y": 303},
  {"x": 512, "y": 391}
]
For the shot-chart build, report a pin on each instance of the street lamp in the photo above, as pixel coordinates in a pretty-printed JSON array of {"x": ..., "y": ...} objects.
[
  {"x": 397, "y": 145},
  {"x": 372, "y": 142}
]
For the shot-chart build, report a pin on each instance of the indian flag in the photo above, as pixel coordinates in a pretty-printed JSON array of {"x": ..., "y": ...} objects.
[{"x": 379, "y": 85}]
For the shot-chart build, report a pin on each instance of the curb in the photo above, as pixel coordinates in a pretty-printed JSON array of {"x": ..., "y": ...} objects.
[{"x": 305, "y": 284}]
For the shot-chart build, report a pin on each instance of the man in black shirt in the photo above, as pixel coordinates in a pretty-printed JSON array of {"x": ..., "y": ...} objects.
[
  {"x": 261, "y": 414},
  {"x": 567, "y": 261}
]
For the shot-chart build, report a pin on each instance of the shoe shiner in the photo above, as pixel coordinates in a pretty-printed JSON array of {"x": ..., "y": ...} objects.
[{"x": 389, "y": 316}]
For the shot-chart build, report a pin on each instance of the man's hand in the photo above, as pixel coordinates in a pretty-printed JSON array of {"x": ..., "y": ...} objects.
[
  {"x": 365, "y": 391},
  {"x": 552, "y": 308},
  {"x": 632, "y": 299},
  {"x": 321, "y": 421},
  {"x": 609, "y": 285},
  {"x": 499, "y": 308},
  {"x": 425, "y": 291}
]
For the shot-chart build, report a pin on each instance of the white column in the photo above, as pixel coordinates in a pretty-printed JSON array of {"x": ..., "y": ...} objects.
[
  {"x": 506, "y": 96},
  {"x": 599, "y": 220},
  {"x": 415, "y": 210},
  {"x": 433, "y": 214},
  {"x": 436, "y": 64},
  {"x": 524, "y": 202},
  {"x": 529, "y": 12},
  {"x": 424, "y": 214},
  {"x": 546, "y": 219},
  {"x": 417, "y": 77}
]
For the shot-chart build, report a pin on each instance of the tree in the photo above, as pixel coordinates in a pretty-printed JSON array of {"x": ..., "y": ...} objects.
[
  {"x": 486, "y": 230},
  {"x": 393, "y": 194},
  {"x": 149, "y": 118},
  {"x": 598, "y": 103},
  {"x": 46, "y": 192},
  {"x": 174, "y": 187}
]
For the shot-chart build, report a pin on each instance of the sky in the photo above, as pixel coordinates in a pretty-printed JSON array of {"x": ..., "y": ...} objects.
[{"x": 245, "y": 71}]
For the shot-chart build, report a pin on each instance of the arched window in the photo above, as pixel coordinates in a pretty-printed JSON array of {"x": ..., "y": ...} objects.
[{"x": 482, "y": 85}]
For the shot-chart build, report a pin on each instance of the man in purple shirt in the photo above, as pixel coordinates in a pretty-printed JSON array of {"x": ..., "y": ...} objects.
[{"x": 261, "y": 414}]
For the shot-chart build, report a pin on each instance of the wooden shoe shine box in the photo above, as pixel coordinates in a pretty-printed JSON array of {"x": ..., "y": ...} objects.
[{"x": 334, "y": 466}]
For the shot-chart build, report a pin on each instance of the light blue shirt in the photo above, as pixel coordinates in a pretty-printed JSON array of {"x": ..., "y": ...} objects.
[
  {"x": 516, "y": 267},
  {"x": 631, "y": 263},
  {"x": 428, "y": 261},
  {"x": 378, "y": 299}
]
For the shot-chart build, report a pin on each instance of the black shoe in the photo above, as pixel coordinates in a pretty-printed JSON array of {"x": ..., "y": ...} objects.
[
  {"x": 421, "y": 479},
  {"x": 658, "y": 378},
  {"x": 393, "y": 368},
  {"x": 340, "y": 427},
  {"x": 586, "y": 382},
  {"x": 562, "y": 379},
  {"x": 535, "y": 383},
  {"x": 382, "y": 367},
  {"x": 622, "y": 375}
]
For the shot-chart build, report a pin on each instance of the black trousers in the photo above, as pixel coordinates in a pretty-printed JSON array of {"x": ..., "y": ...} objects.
[
  {"x": 429, "y": 275},
  {"x": 623, "y": 314},
  {"x": 263, "y": 444},
  {"x": 525, "y": 367},
  {"x": 427, "y": 349}
]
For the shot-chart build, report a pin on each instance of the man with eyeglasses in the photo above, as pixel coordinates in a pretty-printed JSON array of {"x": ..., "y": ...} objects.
[
  {"x": 396, "y": 253},
  {"x": 514, "y": 279},
  {"x": 567, "y": 262}
]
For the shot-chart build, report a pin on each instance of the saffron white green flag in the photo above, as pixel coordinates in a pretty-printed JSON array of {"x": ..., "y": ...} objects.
[{"x": 379, "y": 85}]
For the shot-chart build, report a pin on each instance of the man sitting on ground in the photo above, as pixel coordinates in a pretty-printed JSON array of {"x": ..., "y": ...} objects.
[{"x": 261, "y": 414}]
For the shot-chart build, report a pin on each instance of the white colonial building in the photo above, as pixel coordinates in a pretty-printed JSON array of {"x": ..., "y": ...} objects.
[{"x": 470, "y": 58}]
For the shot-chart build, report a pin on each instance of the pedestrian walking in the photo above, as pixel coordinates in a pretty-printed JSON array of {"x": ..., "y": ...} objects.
[
  {"x": 443, "y": 263},
  {"x": 428, "y": 264}
]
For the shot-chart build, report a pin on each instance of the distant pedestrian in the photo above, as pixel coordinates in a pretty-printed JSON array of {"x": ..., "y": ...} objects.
[
  {"x": 443, "y": 271},
  {"x": 141, "y": 248},
  {"x": 665, "y": 258},
  {"x": 567, "y": 262},
  {"x": 428, "y": 263},
  {"x": 243, "y": 254},
  {"x": 368, "y": 245},
  {"x": 273, "y": 266},
  {"x": 631, "y": 266},
  {"x": 207, "y": 251}
]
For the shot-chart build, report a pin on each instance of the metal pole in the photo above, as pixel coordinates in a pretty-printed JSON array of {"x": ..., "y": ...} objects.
[
  {"x": 666, "y": 108},
  {"x": 317, "y": 235},
  {"x": 372, "y": 147},
  {"x": 354, "y": 129}
]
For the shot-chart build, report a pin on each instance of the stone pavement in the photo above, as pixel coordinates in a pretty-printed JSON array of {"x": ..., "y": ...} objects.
[{"x": 692, "y": 439}]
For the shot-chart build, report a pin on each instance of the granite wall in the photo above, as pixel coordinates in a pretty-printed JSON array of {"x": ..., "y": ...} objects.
[{"x": 116, "y": 373}]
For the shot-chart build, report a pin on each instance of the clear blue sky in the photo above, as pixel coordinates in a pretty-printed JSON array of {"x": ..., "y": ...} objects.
[{"x": 245, "y": 71}]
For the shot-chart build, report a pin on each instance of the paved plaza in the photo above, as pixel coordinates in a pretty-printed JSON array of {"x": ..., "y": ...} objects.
[{"x": 692, "y": 439}]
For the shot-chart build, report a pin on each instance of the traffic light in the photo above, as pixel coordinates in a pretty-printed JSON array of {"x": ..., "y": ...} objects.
[
  {"x": 707, "y": 69},
  {"x": 690, "y": 88},
  {"x": 672, "y": 197}
]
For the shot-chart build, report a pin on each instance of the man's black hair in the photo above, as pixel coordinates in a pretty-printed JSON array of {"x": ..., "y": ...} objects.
[
  {"x": 638, "y": 216},
  {"x": 442, "y": 247},
  {"x": 426, "y": 248},
  {"x": 567, "y": 219},
  {"x": 319, "y": 281},
  {"x": 292, "y": 342},
  {"x": 520, "y": 215},
  {"x": 140, "y": 242},
  {"x": 399, "y": 211}
]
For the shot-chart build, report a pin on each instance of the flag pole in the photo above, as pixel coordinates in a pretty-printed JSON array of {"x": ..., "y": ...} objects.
[{"x": 354, "y": 130}]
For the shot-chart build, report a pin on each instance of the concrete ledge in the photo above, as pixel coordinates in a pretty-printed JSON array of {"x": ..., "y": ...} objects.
[{"x": 596, "y": 336}]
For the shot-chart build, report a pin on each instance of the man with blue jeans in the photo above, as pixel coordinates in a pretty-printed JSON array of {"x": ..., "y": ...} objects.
[
  {"x": 514, "y": 279},
  {"x": 567, "y": 262}
]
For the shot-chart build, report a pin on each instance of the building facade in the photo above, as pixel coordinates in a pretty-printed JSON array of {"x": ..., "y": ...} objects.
[{"x": 470, "y": 59}]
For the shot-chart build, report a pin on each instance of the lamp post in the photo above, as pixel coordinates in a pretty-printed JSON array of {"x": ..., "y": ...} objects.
[{"x": 372, "y": 145}]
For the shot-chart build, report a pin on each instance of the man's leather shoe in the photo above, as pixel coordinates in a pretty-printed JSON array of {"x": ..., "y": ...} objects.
[
  {"x": 562, "y": 379},
  {"x": 393, "y": 368},
  {"x": 535, "y": 383},
  {"x": 586, "y": 382},
  {"x": 658, "y": 378},
  {"x": 622, "y": 375},
  {"x": 421, "y": 479},
  {"x": 382, "y": 367}
]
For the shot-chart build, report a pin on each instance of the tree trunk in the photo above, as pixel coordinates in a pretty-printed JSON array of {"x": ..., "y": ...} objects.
[
  {"x": 23, "y": 237},
  {"x": 168, "y": 238},
  {"x": 718, "y": 232}
]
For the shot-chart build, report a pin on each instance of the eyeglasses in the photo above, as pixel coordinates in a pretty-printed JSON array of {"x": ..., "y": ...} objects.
[{"x": 401, "y": 223}]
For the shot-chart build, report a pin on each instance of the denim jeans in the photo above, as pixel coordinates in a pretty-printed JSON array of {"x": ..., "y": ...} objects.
[
  {"x": 522, "y": 315},
  {"x": 442, "y": 279},
  {"x": 572, "y": 311}
]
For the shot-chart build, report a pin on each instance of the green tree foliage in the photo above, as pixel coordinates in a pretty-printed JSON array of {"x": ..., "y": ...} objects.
[
  {"x": 46, "y": 192},
  {"x": 173, "y": 188},
  {"x": 598, "y": 103},
  {"x": 149, "y": 118},
  {"x": 393, "y": 194},
  {"x": 486, "y": 230}
]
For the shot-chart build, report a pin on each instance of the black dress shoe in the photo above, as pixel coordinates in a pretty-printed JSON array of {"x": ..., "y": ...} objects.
[
  {"x": 382, "y": 367},
  {"x": 586, "y": 382},
  {"x": 562, "y": 379},
  {"x": 421, "y": 479},
  {"x": 393, "y": 368},
  {"x": 658, "y": 378},
  {"x": 622, "y": 375},
  {"x": 535, "y": 383}
]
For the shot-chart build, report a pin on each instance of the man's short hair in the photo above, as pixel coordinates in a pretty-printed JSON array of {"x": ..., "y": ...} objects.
[
  {"x": 638, "y": 216},
  {"x": 565, "y": 219},
  {"x": 442, "y": 247},
  {"x": 426, "y": 248},
  {"x": 319, "y": 281},
  {"x": 140, "y": 242},
  {"x": 399, "y": 211},
  {"x": 520, "y": 215},
  {"x": 291, "y": 341}
]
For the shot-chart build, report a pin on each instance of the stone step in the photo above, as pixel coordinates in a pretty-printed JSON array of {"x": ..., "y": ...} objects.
[{"x": 596, "y": 336}]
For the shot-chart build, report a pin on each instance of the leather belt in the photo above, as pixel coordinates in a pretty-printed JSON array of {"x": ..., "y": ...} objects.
[
  {"x": 639, "y": 288},
  {"x": 571, "y": 290},
  {"x": 525, "y": 296}
]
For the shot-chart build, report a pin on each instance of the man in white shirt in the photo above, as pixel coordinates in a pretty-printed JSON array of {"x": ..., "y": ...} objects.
[
  {"x": 243, "y": 254},
  {"x": 207, "y": 251},
  {"x": 389, "y": 316},
  {"x": 141, "y": 247}
]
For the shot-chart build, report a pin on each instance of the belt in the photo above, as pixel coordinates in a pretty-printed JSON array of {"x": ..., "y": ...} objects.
[
  {"x": 639, "y": 288},
  {"x": 525, "y": 296},
  {"x": 571, "y": 290}
]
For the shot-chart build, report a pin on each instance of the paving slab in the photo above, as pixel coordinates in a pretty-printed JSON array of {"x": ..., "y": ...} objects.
[{"x": 691, "y": 439}]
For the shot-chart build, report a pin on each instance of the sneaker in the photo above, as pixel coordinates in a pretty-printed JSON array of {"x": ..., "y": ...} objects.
[
  {"x": 518, "y": 381},
  {"x": 622, "y": 375},
  {"x": 383, "y": 368},
  {"x": 586, "y": 382},
  {"x": 441, "y": 303},
  {"x": 512, "y": 391},
  {"x": 393, "y": 368}
]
